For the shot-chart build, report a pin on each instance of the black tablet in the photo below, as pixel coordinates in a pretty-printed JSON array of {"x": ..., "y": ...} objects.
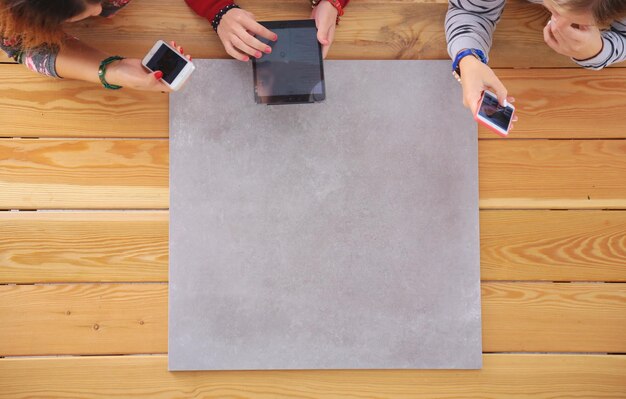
[{"x": 293, "y": 72}]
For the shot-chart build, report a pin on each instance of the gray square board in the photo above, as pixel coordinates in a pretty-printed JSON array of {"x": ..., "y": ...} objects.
[{"x": 324, "y": 236}]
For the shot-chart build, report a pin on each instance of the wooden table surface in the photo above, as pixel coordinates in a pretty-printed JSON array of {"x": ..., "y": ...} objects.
[{"x": 84, "y": 220}]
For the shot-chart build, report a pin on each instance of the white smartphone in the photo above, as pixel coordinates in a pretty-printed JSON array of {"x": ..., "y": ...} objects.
[
  {"x": 493, "y": 115},
  {"x": 176, "y": 67}
]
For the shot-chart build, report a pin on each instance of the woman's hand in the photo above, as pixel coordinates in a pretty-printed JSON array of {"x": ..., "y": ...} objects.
[
  {"x": 236, "y": 31},
  {"x": 130, "y": 73},
  {"x": 579, "y": 43},
  {"x": 325, "y": 16}
]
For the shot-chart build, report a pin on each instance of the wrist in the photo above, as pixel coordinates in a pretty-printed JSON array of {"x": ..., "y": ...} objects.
[
  {"x": 593, "y": 53},
  {"x": 463, "y": 56},
  {"x": 108, "y": 73},
  {"x": 468, "y": 62},
  {"x": 215, "y": 22}
]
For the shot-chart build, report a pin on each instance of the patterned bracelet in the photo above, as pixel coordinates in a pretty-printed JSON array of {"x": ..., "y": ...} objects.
[
  {"x": 335, "y": 3},
  {"x": 102, "y": 70},
  {"x": 218, "y": 17}
]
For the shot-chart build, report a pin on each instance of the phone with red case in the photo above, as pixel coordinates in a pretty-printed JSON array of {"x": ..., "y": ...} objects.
[{"x": 496, "y": 117}]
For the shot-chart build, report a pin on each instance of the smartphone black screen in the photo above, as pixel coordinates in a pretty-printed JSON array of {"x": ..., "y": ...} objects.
[
  {"x": 167, "y": 61},
  {"x": 293, "y": 71},
  {"x": 491, "y": 110}
]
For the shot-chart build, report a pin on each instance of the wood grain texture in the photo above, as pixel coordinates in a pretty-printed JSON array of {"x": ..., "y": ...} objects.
[
  {"x": 548, "y": 317},
  {"x": 38, "y": 106},
  {"x": 502, "y": 377},
  {"x": 550, "y": 104},
  {"x": 83, "y": 174},
  {"x": 40, "y": 247},
  {"x": 369, "y": 30},
  {"x": 118, "y": 174},
  {"x": 572, "y": 103},
  {"x": 64, "y": 247},
  {"x": 83, "y": 319},
  {"x": 555, "y": 174},
  {"x": 107, "y": 318},
  {"x": 553, "y": 245}
]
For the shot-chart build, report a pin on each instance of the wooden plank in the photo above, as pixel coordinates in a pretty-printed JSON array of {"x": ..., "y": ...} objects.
[
  {"x": 83, "y": 319},
  {"x": 369, "y": 30},
  {"x": 573, "y": 103},
  {"x": 548, "y": 317},
  {"x": 118, "y": 174},
  {"x": 553, "y": 245},
  {"x": 107, "y": 318},
  {"x": 38, "y": 106},
  {"x": 40, "y": 247},
  {"x": 554, "y": 174},
  {"x": 83, "y": 174},
  {"x": 502, "y": 377},
  {"x": 5, "y": 59},
  {"x": 64, "y": 247},
  {"x": 562, "y": 103}
]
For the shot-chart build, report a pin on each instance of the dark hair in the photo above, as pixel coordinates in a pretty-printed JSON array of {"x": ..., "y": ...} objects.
[
  {"x": 35, "y": 22},
  {"x": 604, "y": 11}
]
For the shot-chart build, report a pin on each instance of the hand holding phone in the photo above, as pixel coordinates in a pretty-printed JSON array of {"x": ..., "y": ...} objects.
[
  {"x": 176, "y": 68},
  {"x": 493, "y": 115}
]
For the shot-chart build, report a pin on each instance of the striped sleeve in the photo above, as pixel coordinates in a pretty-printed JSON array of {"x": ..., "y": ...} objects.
[
  {"x": 471, "y": 23},
  {"x": 613, "y": 50}
]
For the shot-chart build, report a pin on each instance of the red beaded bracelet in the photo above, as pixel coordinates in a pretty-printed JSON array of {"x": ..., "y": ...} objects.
[
  {"x": 334, "y": 3},
  {"x": 338, "y": 6}
]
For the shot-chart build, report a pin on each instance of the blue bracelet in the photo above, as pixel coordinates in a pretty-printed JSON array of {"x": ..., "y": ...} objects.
[{"x": 456, "y": 70}]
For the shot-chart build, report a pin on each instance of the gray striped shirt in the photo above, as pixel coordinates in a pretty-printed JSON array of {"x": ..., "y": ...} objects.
[{"x": 471, "y": 23}]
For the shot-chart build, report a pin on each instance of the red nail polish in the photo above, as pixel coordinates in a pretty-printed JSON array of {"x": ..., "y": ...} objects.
[
  {"x": 182, "y": 51},
  {"x": 258, "y": 54},
  {"x": 268, "y": 50},
  {"x": 275, "y": 37},
  {"x": 158, "y": 75}
]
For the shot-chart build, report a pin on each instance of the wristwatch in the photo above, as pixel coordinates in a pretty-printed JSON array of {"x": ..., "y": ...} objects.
[{"x": 456, "y": 68}]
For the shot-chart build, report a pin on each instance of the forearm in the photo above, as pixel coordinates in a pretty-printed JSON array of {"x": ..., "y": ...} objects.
[
  {"x": 78, "y": 61},
  {"x": 470, "y": 24}
]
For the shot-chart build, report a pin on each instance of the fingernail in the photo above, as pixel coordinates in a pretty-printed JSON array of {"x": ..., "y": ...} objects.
[
  {"x": 190, "y": 58},
  {"x": 182, "y": 50},
  {"x": 275, "y": 37},
  {"x": 268, "y": 50},
  {"x": 246, "y": 59},
  {"x": 258, "y": 54},
  {"x": 158, "y": 75}
]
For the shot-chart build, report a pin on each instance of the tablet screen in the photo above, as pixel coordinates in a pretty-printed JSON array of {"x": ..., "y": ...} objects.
[{"x": 293, "y": 71}]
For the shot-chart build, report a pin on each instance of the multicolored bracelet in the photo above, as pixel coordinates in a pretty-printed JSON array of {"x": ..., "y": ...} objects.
[
  {"x": 102, "y": 70},
  {"x": 218, "y": 17},
  {"x": 334, "y": 3}
]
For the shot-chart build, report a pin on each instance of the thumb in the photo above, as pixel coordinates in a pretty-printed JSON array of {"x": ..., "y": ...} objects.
[{"x": 322, "y": 35}]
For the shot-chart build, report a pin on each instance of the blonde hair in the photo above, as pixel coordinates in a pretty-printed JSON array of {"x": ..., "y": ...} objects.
[{"x": 604, "y": 11}]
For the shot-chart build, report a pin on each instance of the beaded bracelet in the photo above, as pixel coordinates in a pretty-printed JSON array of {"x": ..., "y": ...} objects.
[
  {"x": 218, "y": 17},
  {"x": 102, "y": 70},
  {"x": 334, "y": 3}
]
